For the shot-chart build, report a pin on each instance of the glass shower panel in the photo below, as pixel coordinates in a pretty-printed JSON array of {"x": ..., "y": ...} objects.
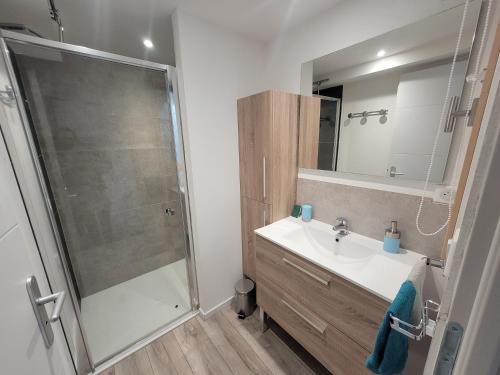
[{"x": 104, "y": 137}]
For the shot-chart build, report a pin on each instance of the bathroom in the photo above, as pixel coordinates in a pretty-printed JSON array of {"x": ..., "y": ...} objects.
[{"x": 249, "y": 187}]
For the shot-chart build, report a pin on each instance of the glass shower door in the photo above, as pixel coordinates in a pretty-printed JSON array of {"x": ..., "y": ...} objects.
[{"x": 109, "y": 152}]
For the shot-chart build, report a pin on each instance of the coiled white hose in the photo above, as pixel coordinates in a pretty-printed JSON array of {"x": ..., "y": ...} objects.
[{"x": 443, "y": 113}]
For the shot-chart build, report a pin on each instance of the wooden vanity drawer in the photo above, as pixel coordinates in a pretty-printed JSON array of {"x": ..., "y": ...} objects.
[
  {"x": 337, "y": 352},
  {"x": 352, "y": 310}
]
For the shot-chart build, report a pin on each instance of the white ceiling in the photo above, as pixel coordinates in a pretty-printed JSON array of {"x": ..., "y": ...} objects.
[
  {"x": 120, "y": 25},
  {"x": 261, "y": 19}
]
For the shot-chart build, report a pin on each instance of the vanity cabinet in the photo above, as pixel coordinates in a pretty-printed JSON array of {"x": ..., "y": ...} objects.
[
  {"x": 268, "y": 141},
  {"x": 335, "y": 320},
  {"x": 254, "y": 214}
]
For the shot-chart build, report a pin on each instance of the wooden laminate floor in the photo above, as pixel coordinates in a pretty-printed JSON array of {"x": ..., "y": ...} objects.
[{"x": 220, "y": 345}]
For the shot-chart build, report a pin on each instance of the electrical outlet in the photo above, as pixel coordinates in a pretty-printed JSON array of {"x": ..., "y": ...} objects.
[{"x": 444, "y": 194}]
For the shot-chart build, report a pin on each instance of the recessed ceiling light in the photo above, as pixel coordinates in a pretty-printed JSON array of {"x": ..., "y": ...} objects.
[
  {"x": 381, "y": 53},
  {"x": 148, "y": 43}
]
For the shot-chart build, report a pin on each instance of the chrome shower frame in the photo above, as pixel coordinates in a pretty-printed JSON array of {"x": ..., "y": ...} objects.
[
  {"x": 336, "y": 128},
  {"x": 16, "y": 130}
]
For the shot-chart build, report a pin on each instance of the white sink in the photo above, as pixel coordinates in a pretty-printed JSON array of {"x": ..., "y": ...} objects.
[
  {"x": 347, "y": 249},
  {"x": 357, "y": 258}
]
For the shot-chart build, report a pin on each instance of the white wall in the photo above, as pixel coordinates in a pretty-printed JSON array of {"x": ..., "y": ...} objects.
[
  {"x": 347, "y": 23},
  {"x": 306, "y": 78},
  {"x": 215, "y": 67},
  {"x": 419, "y": 106},
  {"x": 365, "y": 143},
  {"x": 414, "y": 100}
]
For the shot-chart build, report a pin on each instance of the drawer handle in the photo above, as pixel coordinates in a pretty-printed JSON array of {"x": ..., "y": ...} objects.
[
  {"x": 321, "y": 329},
  {"x": 308, "y": 273}
]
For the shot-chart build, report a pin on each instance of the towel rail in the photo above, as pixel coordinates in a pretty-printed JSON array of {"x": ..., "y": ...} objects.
[
  {"x": 433, "y": 262},
  {"x": 424, "y": 328},
  {"x": 380, "y": 112}
]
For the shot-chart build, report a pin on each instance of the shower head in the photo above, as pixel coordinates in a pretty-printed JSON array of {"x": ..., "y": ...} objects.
[
  {"x": 319, "y": 82},
  {"x": 54, "y": 15}
]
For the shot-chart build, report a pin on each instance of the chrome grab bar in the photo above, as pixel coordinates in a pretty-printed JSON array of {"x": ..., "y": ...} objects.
[
  {"x": 308, "y": 273},
  {"x": 451, "y": 118},
  {"x": 472, "y": 112},
  {"x": 453, "y": 113}
]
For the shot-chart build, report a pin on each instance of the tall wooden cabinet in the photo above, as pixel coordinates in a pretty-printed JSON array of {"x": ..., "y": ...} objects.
[{"x": 268, "y": 141}]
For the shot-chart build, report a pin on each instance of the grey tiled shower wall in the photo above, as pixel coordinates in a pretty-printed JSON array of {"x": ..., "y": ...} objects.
[
  {"x": 370, "y": 212},
  {"x": 105, "y": 137}
]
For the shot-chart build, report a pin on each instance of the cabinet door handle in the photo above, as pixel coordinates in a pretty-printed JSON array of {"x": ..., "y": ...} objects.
[
  {"x": 264, "y": 217},
  {"x": 320, "y": 326},
  {"x": 308, "y": 273},
  {"x": 264, "y": 177}
]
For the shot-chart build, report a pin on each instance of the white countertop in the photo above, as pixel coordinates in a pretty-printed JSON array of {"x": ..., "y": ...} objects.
[{"x": 356, "y": 258}]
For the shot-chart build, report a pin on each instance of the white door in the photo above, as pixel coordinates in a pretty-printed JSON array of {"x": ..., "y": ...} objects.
[
  {"x": 22, "y": 348},
  {"x": 419, "y": 104}
]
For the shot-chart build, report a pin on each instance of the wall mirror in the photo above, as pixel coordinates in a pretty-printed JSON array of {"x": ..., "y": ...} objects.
[{"x": 376, "y": 106}]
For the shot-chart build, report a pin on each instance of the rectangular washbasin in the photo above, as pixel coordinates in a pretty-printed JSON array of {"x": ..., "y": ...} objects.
[{"x": 355, "y": 257}]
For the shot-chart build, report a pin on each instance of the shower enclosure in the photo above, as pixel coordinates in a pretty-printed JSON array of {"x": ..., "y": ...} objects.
[{"x": 105, "y": 145}]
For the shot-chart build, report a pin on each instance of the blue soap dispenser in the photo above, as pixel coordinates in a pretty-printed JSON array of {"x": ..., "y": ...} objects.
[{"x": 392, "y": 238}]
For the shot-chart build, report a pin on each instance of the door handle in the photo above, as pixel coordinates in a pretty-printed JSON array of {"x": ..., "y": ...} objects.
[
  {"x": 58, "y": 298},
  {"x": 38, "y": 303},
  {"x": 393, "y": 173}
]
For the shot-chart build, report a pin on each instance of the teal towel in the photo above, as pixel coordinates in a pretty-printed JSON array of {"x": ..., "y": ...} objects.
[{"x": 391, "y": 347}]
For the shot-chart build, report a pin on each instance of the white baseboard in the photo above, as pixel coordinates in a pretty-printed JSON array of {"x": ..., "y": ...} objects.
[{"x": 207, "y": 314}]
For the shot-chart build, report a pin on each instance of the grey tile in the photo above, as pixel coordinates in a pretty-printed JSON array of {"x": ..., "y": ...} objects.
[
  {"x": 106, "y": 138},
  {"x": 113, "y": 178},
  {"x": 139, "y": 242},
  {"x": 68, "y": 126}
]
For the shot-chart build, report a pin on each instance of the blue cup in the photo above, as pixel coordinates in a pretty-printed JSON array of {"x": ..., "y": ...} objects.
[{"x": 307, "y": 212}]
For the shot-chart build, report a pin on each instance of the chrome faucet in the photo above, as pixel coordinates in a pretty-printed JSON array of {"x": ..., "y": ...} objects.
[{"x": 341, "y": 227}]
